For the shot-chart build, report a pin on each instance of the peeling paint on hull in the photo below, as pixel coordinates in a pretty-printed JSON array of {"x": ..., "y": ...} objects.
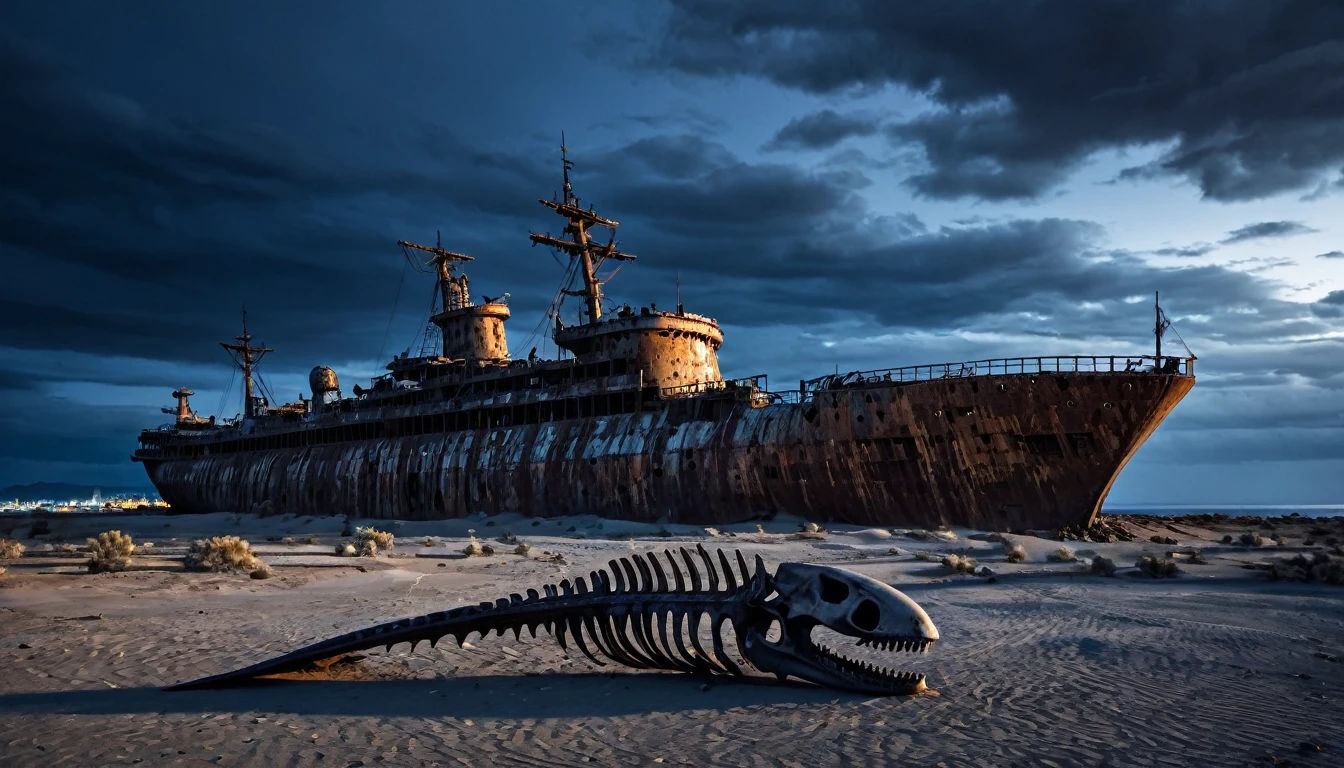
[{"x": 1000, "y": 452}]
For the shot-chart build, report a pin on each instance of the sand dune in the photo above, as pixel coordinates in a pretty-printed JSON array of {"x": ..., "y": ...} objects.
[{"x": 1046, "y": 666}]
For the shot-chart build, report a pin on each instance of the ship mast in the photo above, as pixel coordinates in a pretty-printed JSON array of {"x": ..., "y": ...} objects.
[
  {"x": 246, "y": 356},
  {"x": 1160, "y": 325},
  {"x": 452, "y": 287},
  {"x": 578, "y": 243}
]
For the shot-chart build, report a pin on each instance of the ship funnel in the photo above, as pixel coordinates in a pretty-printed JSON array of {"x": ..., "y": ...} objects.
[{"x": 326, "y": 387}]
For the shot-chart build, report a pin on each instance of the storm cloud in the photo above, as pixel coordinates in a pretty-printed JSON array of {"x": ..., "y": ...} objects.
[
  {"x": 1245, "y": 97},
  {"x": 1266, "y": 229}
]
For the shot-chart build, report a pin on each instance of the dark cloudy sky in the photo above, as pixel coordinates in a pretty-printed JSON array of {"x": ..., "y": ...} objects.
[{"x": 856, "y": 183}]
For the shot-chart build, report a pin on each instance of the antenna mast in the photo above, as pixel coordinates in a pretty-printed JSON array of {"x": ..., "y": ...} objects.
[
  {"x": 246, "y": 356},
  {"x": 1158, "y": 327},
  {"x": 578, "y": 243}
]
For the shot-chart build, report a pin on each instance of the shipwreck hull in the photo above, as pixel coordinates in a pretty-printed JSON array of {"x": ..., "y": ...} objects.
[{"x": 994, "y": 452}]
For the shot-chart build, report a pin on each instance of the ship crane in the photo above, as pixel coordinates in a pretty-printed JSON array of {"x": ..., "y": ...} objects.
[{"x": 590, "y": 254}]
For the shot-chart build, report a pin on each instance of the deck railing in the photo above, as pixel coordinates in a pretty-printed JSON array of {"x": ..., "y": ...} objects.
[{"x": 1009, "y": 366}]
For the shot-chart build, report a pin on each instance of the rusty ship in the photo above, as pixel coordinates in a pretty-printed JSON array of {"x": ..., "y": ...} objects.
[{"x": 634, "y": 421}]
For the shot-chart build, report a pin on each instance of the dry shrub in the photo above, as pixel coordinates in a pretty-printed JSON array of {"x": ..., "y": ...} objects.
[
  {"x": 264, "y": 572},
  {"x": 475, "y": 548},
  {"x": 810, "y": 527},
  {"x": 1062, "y": 555},
  {"x": 1157, "y": 567},
  {"x": 289, "y": 541},
  {"x": 1102, "y": 566},
  {"x": 927, "y": 557},
  {"x": 2, "y": 571},
  {"x": 111, "y": 551},
  {"x": 346, "y": 549},
  {"x": 11, "y": 549},
  {"x": 220, "y": 553},
  {"x": 522, "y": 549},
  {"x": 506, "y": 538},
  {"x": 1319, "y": 567},
  {"x": 1016, "y": 554},
  {"x": 1250, "y": 539},
  {"x": 429, "y": 541},
  {"x": 1163, "y": 540},
  {"x": 68, "y": 548},
  {"x": 1227, "y": 538},
  {"x": 959, "y": 563},
  {"x": 372, "y": 540},
  {"x": 314, "y": 540}
]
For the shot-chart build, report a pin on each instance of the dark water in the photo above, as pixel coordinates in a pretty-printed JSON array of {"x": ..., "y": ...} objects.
[{"x": 1248, "y": 510}]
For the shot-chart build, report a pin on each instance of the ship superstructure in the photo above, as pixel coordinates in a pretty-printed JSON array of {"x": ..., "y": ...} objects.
[{"x": 636, "y": 422}]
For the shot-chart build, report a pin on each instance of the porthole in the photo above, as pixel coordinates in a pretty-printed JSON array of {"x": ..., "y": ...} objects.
[
  {"x": 859, "y": 417},
  {"x": 1070, "y": 403},
  {"x": 1105, "y": 405}
]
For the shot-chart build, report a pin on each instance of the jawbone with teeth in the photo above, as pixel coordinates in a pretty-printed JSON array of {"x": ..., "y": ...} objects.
[
  {"x": 646, "y": 611},
  {"x": 850, "y": 604}
]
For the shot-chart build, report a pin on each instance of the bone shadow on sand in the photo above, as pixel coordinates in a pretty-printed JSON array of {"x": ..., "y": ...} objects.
[{"x": 492, "y": 696}]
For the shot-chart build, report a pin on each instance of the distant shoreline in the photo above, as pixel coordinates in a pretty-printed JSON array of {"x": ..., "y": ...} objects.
[{"x": 1193, "y": 513}]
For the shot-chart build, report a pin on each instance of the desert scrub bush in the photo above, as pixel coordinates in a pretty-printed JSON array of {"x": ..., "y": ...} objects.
[
  {"x": 220, "y": 553},
  {"x": 10, "y": 549},
  {"x": 1250, "y": 539},
  {"x": 1016, "y": 554},
  {"x": 288, "y": 541},
  {"x": 1319, "y": 567},
  {"x": 346, "y": 549},
  {"x": 1157, "y": 567},
  {"x": 111, "y": 551},
  {"x": 1102, "y": 566},
  {"x": 506, "y": 538},
  {"x": 1227, "y": 538},
  {"x": 1062, "y": 555},
  {"x": 68, "y": 548},
  {"x": 429, "y": 541},
  {"x": 475, "y": 548},
  {"x": 1163, "y": 540},
  {"x": 371, "y": 540},
  {"x": 959, "y": 563},
  {"x": 522, "y": 549},
  {"x": 313, "y": 540},
  {"x": 927, "y": 557}
]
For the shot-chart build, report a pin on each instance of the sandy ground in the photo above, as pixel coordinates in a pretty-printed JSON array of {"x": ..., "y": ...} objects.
[{"x": 1046, "y": 665}]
